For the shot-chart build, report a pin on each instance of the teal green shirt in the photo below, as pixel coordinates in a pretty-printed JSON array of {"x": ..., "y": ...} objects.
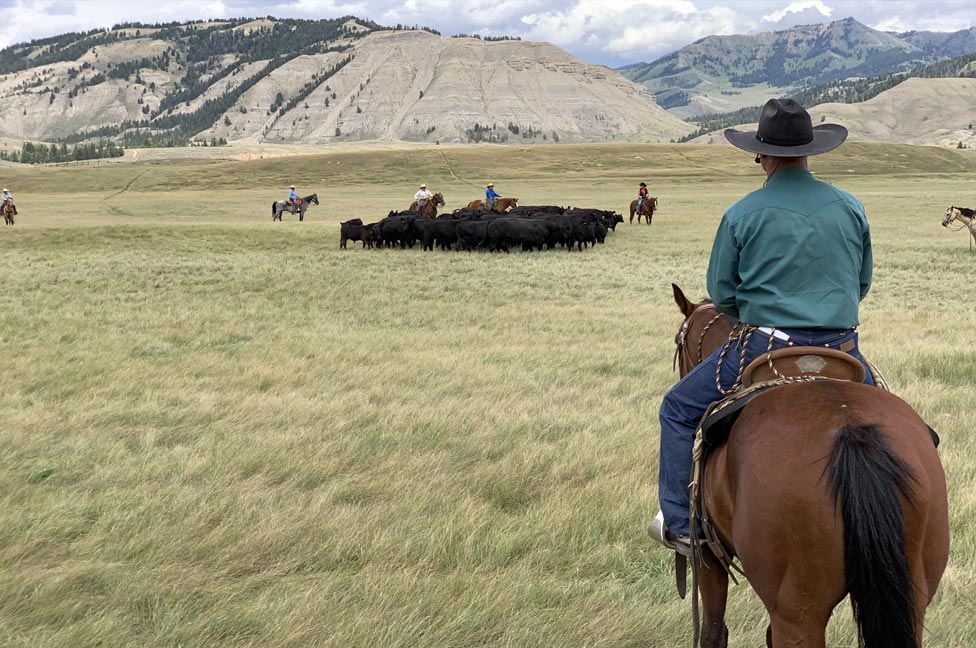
[{"x": 794, "y": 254}]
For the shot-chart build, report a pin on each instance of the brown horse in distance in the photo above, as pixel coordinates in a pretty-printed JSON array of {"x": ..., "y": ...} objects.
[
  {"x": 9, "y": 211},
  {"x": 822, "y": 489},
  {"x": 647, "y": 209},
  {"x": 501, "y": 204},
  {"x": 430, "y": 207}
]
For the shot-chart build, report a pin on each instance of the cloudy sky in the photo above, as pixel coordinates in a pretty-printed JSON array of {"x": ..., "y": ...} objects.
[{"x": 613, "y": 32}]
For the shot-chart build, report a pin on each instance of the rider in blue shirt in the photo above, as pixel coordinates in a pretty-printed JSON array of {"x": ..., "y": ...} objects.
[
  {"x": 293, "y": 196},
  {"x": 491, "y": 196}
]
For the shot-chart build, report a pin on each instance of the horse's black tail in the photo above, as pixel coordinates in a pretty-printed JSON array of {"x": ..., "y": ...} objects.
[
  {"x": 273, "y": 203},
  {"x": 866, "y": 479}
]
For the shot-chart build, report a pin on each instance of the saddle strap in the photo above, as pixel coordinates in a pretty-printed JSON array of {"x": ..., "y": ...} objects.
[
  {"x": 698, "y": 510},
  {"x": 681, "y": 574}
]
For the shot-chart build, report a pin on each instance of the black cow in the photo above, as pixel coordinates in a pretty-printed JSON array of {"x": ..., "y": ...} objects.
[
  {"x": 395, "y": 230},
  {"x": 465, "y": 213},
  {"x": 535, "y": 209},
  {"x": 440, "y": 231},
  {"x": 584, "y": 232},
  {"x": 529, "y": 233},
  {"x": 600, "y": 230},
  {"x": 371, "y": 235},
  {"x": 351, "y": 230},
  {"x": 471, "y": 233}
]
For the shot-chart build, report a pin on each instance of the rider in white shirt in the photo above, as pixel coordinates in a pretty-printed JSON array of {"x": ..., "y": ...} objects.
[{"x": 422, "y": 196}]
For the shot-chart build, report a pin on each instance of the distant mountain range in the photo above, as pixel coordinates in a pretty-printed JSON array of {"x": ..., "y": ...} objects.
[
  {"x": 724, "y": 73},
  {"x": 314, "y": 82}
]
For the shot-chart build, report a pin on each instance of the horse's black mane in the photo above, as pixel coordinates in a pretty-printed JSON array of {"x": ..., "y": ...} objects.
[{"x": 967, "y": 212}]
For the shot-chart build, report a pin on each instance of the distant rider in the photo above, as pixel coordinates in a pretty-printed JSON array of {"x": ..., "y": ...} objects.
[
  {"x": 5, "y": 197},
  {"x": 293, "y": 198},
  {"x": 422, "y": 196},
  {"x": 491, "y": 196},
  {"x": 641, "y": 196}
]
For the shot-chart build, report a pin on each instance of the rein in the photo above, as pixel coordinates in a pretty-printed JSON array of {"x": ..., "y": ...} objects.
[{"x": 681, "y": 340}]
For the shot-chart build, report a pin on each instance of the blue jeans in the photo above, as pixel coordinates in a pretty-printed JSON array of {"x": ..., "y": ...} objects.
[{"x": 686, "y": 402}]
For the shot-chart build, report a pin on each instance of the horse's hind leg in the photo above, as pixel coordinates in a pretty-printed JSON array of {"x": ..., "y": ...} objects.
[
  {"x": 714, "y": 586},
  {"x": 800, "y": 628}
]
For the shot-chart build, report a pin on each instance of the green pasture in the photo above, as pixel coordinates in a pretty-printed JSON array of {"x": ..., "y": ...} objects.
[{"x": 219, "y": 431}]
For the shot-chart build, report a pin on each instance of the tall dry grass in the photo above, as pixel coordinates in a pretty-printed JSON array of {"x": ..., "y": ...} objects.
[{"x": 223, "y": 432}]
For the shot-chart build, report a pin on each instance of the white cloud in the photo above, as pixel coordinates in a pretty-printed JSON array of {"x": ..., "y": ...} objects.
[
  {"x": 630, "y": 28},
  {"x": 798, "y": 6},
  {"x": 940, "y": 23},
  {"x": 605, "y": 31}
]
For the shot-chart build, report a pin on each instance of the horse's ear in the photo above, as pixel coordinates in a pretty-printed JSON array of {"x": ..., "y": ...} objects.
[{"x": 686, "y": 307}]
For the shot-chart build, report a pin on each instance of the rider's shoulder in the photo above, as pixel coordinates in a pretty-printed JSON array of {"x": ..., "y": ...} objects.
[
  {"x": 749, "y": 203},
  {"x": 849, "y": 198}
]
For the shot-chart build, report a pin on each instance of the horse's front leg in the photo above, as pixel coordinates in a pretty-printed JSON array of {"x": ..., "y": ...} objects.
[{"x": 713, "y": 582}]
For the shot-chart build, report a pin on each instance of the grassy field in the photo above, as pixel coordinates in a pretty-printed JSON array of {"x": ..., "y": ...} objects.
[{"x": 219, "y": 431}]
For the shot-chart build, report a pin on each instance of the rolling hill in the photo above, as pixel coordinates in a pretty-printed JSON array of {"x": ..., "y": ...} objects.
[
  {"x": 724, "y": 73},
  {"x": 314, "y": 82},
  {"x": 931, "y": 112}
]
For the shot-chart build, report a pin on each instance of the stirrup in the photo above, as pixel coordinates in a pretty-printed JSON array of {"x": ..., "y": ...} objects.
[{"x": 659, "y": 533}]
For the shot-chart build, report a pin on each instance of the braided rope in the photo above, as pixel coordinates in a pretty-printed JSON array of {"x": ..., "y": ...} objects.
[
  {"x": 743, "y": 331},
  {"x": 772, "y": 367},
  {"x": 701, "y": 338}
]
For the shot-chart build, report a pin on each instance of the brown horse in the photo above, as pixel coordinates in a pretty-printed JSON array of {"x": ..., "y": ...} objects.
[
  {"x": 430, "y": 206},
  {"x": 501, "y": 204},
  {"x": 647, "y": 209},
  {"x": 822, "y": 489},
  {"x": 9, "y": 211}
]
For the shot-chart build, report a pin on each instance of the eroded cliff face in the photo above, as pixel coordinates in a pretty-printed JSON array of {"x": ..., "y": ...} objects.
[
  {"x": 395, "y": 85},
  {"x": 414, "y": 85}
]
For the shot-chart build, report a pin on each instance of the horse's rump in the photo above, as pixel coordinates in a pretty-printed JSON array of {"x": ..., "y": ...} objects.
[{"x": 783, "y": 487}]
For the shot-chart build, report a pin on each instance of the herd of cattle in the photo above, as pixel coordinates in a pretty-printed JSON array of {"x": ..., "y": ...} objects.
[{"x": 531, "y": 228}]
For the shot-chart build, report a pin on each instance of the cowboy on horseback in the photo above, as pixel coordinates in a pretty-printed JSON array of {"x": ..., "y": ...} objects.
[
  {"x": 293, "y": 198},
  {"x": 641, "y": 196},
  {"x": 491, "y": 196},
  {"x": 791, "y": 261},
  {"x": 4, "y": 197},
  {"x": 422, "y": 196}
]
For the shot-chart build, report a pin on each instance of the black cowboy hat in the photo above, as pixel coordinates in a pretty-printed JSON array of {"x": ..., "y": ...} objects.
[
  {"x": 643, "y": 185},
  {"x": 786, "y": 130}
]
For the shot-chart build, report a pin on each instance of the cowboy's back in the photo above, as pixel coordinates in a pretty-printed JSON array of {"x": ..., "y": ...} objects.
[
  {"x": 793, "y": 259},
  {"x": 795, "y": 253}
]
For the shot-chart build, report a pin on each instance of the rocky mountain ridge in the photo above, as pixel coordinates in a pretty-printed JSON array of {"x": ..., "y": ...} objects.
[
  {"x": 724, "y": 73},
  {"x": 314, "y": 82}
]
